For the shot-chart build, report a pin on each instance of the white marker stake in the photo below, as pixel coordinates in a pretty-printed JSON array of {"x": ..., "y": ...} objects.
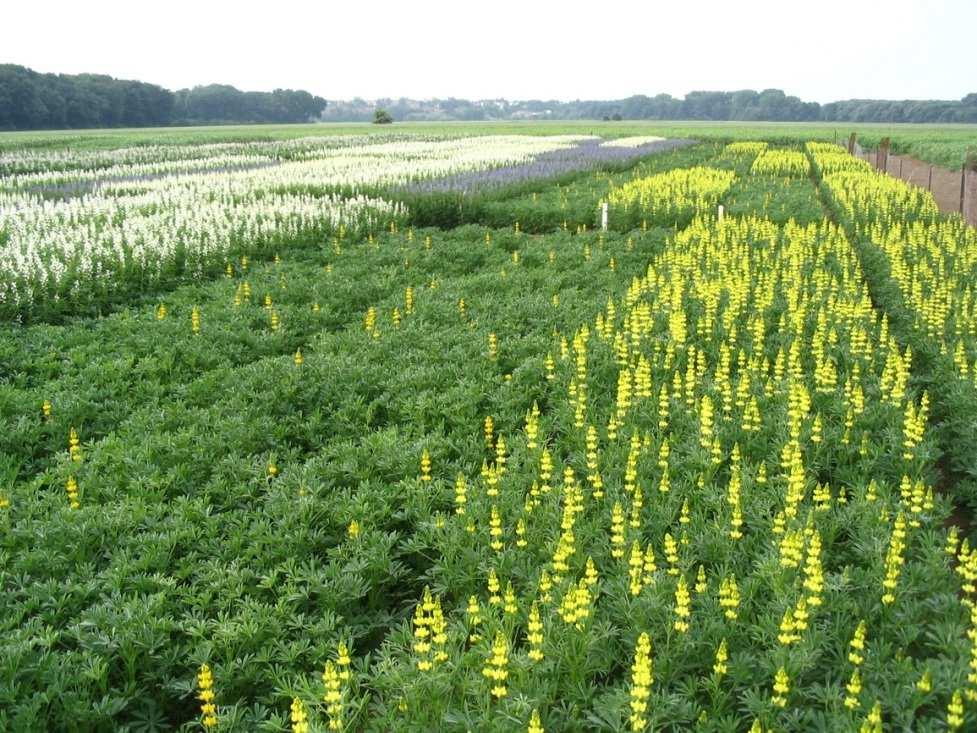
[
  {"x": 721, "y": 212},
  {"x": 603, "y": 217}
]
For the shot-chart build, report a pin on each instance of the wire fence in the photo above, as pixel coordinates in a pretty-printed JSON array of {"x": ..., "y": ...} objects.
[{"x": 955, "y": 191}]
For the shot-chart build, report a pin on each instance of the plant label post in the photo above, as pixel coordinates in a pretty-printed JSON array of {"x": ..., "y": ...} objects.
[
  {"x": 603, "y": 216},
  {"x": 721, "y": 212}
]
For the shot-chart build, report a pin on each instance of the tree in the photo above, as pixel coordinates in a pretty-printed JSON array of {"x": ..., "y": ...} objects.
[{"x": 382, "y": 117}]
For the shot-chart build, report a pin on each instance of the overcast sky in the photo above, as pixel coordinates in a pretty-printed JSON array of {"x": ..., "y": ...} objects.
[{"x": 821, "y": 51}]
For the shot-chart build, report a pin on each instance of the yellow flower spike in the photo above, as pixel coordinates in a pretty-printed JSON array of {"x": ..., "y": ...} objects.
[
  {"x": 493, "y": 346},
  {"x": 299, "y": 717},
  {"x": 496, "y": 666},
  {"x": 206, "y": 696},
  {"x": 74, "y": 445},
  {"x": 509, "y": 603},
  {"x": 161, "y": 312},
  {"x": 925, "y": 682},
  {"x": 857, "y": 644},
  {"x": 722, "y": 655},
  {"x": 781, "y": 688},
  {"x": 425, "y": 466},
  {"x": 671, "y": 554},
  {"x": 495, "y": 530},
  {"x": 955, "y": 712},
  {"x": 71, "y": 488},
  {"x": 701, "y": 583},
  {"x": 494, "y": 587},
  {"x": 333, "y": 697},
  {"x": 461, "y": 494},
  {"x": 617, "y": 531},
  {"x": 474, "y": 614},
  {"x": 642, "y": 677},
  {"x": 353, "y": 530},
  {"x": 683, "y": 606},
  {"x": 298, "y": 358},
  {"x": 873, "y": 722},
  {"x": 729, "y": 597},
  {"x": 535, "y": 724},
  {"x": 534, "y": 635},
  {"x": 853, "y": 688}
]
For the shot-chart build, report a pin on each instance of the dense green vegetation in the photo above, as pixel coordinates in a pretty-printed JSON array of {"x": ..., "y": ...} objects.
[
  {"x": 745, "y": 105},
  {"x": 33, "y": 101},
  {"x": 29, "y": 100},
  {"x": 710, "y": 433},
  {"x": 944, "y": 145}
]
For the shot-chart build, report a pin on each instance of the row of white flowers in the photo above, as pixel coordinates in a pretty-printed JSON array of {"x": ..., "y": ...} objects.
[
  {"x": 371, "y": 166},
  {"x": 148, "y": 228},
  {"x": 633, "y": 142},
  {"x": 29, "y": 160}
]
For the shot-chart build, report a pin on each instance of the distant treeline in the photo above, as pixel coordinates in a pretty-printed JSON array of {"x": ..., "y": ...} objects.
[
  {"x": 32, "y": 101},
  {"x": 771, "y": 105}
]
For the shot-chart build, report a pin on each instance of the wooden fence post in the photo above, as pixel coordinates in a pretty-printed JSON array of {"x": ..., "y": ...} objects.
[
  {"x": 851, "y": 144},
  {"x": 968, "y": 189},
  {"x": 882, "y": 155},
  {"x": 963, "y": 184}
]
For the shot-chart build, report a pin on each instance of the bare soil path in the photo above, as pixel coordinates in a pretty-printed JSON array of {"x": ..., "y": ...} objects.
[{"x": 943, "y": 183}]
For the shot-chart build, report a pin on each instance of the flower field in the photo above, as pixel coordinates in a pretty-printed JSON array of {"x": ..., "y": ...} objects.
[{"x": 389, "y": 435}]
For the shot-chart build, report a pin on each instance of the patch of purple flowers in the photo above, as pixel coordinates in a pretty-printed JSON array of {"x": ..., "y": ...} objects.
[{"x": 584, "y": 155}]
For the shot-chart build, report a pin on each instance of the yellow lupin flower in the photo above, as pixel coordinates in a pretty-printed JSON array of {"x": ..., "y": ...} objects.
[
  {"x": 333, "y": 696},
  {"x": 208, "y": 708},
  {"x": 642, "y": 677},
  {"x": 496, "y": 666},
  {"x": 719, "y": 666},
  {"x": 299, "y": 718},
  {"x": 925, "y": 683},
  {"x": 474, "y": 614},
  {"x": 534, "y": 634},
  {"x": 857, "y": 644},
  {"x": 729, "y": 597},
  {"x": 683, "y": 606},
  {"x": 873, "y": 722},
  {"x": 781, "y": 688},
  {"x": 853, "y": 688},
  {"x": 461, "y": 494},
  {"x": 535, "y": 725},
  {"x": 954, "y": 712},
  {"x": 74, "y": 445},
  {"x": 71, "y": 487},
  {"x": 425, "y": 466}
]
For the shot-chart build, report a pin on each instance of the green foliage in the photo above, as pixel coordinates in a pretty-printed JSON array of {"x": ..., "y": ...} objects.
[{"x": 189, "y": 548}]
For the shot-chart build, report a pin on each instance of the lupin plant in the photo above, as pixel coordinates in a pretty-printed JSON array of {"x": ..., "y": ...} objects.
[{"x": 727, "y": 395}]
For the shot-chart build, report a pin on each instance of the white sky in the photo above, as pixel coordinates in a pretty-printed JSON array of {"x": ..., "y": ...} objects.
[{"x": 820, "y": 50}]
